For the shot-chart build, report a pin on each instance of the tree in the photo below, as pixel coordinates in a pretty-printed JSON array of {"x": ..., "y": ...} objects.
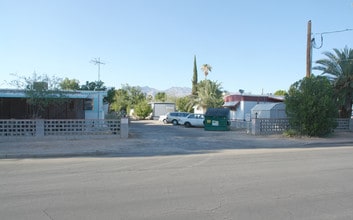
[
  {"x": 280, "y": 93},
  {"x": 121, "y": 101},
  {"x": 194, "y": 79},
  {"x": 110, "y": 96},
  {"x": 160, "y": 96},
  {"x": 310, "y": 106},
  {"x": 41, "y": 91},
  {"x": 209, "y": 94},
  {"x": 143, "y": 109},
  {"x": 206, "y": 68},
  {"x": 127, "y": 98},
  {"x": 183, "y": 104},
  {"x": 94, "y": 86},
  {"x": 69, "y": 84},
  {"x": 135, "y": 95},
  {"x": 339, "y": 68}
]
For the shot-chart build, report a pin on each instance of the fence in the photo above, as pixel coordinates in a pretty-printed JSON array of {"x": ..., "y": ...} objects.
[
  {"x": 265, "y": 126},
  {"x": 343, "y": 124},
  {"x": 65, "y": 127}
]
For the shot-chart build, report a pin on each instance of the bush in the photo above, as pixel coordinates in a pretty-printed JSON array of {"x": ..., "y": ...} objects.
[
  {"x": 143, "y": 109},
  {"x": 310, "y": 106}
]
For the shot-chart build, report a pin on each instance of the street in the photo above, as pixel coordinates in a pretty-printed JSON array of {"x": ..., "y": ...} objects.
[{"x": 281, "y": 183}]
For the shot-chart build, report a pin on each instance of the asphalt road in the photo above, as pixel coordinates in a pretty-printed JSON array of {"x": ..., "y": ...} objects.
[
  {"x": 311, "y": 183},
  {"x": 171, "y": 172}
]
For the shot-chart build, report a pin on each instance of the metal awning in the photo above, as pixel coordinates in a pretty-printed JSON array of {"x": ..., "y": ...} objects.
[{"x": 230, "y": 104}]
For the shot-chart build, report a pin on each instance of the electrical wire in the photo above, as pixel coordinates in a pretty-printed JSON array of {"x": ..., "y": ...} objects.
[{"x": 313, "y": 40}]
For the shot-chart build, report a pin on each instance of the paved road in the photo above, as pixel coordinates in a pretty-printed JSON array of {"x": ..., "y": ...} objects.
[
  {"x": 168, "y": 172},
  {"x": 232, "y": 184},
  {"x": 171, "y": 172}
]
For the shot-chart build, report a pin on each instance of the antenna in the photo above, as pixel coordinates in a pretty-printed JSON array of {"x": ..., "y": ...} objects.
[{"x": 97, "y": 61}]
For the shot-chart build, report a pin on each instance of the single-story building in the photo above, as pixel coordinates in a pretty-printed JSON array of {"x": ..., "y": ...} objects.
[
  {"x": 79, "y": 105},
  {"x": 161, "y": 108},
  {"x": 240, "y": 105}
]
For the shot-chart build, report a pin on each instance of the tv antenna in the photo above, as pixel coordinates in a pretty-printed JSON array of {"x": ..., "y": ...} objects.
[{"x": 97, "y": 61}]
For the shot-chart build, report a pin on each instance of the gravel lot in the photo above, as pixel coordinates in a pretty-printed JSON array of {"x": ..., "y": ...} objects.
[{"x": 149, "y": 138}]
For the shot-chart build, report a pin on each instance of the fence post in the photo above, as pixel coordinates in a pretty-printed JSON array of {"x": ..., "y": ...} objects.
[
  {"x": 39, "y": 128},
  {"x": 124, "y": 128},
  {"x": 255, "y": 128}
]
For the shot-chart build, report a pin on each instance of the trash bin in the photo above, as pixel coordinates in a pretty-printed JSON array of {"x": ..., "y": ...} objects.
[{"x": 217, "y": 119}]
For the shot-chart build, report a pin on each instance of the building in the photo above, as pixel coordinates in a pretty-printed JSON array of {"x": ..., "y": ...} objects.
[
  {"x": 240, "y": 105},
  {"x": 79, "y": 105},
  {"x": 161, "y": 108},
  {"x": 269, "y": 110}
]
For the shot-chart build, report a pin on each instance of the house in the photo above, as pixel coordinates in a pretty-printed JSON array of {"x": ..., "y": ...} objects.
[
  {"x": 240, "y": 105},
  {"x": 79, "y": 105}
]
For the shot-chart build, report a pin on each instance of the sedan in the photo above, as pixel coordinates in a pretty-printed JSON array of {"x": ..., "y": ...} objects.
[{"x": 193, "y": 120}]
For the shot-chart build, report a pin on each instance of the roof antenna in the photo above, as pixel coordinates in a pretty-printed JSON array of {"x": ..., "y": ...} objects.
[{"x": 97, "y": 61}]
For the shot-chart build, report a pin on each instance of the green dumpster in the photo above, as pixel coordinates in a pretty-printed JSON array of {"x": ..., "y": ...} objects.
[{"x": 217, "y": 119}]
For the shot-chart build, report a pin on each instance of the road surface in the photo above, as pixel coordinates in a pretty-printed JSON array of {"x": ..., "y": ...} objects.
[{"x": 281, "y": 183}]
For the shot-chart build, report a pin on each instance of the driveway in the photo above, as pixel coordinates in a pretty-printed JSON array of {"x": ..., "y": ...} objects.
[{"x": 151, "y": 138}]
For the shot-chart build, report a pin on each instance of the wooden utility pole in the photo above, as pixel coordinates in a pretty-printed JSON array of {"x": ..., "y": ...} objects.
[{"x": 308, "y": 51}]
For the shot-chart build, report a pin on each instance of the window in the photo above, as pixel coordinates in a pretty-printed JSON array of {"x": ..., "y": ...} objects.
[{"x": 88, "y": 104}]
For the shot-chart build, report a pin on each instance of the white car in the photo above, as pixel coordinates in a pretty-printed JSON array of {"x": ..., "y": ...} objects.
[
  {"x": 163, "y": 118},
  {"x": 193, "y": 120}
]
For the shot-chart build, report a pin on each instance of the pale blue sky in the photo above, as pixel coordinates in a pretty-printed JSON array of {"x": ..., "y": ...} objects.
[{"x": 257, "y": 45}]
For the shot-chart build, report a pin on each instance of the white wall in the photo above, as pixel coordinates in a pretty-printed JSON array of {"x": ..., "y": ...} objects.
[{"x": 98, "y": 108}]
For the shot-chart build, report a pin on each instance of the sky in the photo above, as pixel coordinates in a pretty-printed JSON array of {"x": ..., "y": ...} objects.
[{"x": 255, "y": 45}]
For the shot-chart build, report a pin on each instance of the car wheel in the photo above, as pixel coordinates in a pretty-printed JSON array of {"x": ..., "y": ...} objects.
[
  {"x": 187, "y": 124},
  {"x": 175, "y": 122},
  {"x": 165, "y": 121}
]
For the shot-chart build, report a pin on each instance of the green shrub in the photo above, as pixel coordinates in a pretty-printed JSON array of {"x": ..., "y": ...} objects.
[{"x": 310, "y": 106}]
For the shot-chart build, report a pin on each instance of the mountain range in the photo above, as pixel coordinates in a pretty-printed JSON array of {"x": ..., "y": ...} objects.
[{"x": 173, "y": 91}]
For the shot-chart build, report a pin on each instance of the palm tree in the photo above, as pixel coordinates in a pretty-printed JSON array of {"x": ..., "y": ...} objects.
[
  {"x": 209, "y": 95},
  {"x": 206, "y": 68},
  {"x": 339, "y": 68}
]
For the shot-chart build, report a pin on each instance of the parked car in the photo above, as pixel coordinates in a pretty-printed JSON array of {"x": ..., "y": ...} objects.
[
  {"x": 163, "y": 118},
  {"x": 193, "y": 120},
  {"x": 174, "y": 117}
]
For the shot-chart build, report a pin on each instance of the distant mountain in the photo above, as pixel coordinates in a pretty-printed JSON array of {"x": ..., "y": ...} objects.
[{"x": 173, "y": 91}]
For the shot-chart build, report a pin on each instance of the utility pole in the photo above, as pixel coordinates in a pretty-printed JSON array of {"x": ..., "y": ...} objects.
[
  {"x": 97, "y": 61},
  {"x": 308, "y": 51}
]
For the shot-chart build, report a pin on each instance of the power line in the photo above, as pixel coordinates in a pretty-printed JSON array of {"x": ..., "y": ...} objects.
[
  {"x": 332, "y": 32},
  {"x": 313, "y": 40}
]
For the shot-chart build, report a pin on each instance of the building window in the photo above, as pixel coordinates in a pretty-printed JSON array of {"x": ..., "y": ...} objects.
[{"x": 88, "y": 104}]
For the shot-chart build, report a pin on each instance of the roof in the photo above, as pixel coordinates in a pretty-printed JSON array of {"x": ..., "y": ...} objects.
[
  {"x": 267, "y": 106},
  {"x": 79, "y": 94},
  {"x": 230, "y": 104},
  {"x": 217, "y": 112}
]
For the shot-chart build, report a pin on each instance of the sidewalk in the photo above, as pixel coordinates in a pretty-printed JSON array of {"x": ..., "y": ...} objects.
[{"x": 149, "y": 145}]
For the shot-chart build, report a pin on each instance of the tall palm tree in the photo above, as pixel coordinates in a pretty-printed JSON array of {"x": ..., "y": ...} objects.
[
  {"x": 339, "y": 68},
  {"x": 206, "y": 68}
]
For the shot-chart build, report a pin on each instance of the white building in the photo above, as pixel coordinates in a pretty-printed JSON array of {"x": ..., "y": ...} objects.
[
  {"x": 240, "y": 105},
  {"x": 81, "y": 105}
]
